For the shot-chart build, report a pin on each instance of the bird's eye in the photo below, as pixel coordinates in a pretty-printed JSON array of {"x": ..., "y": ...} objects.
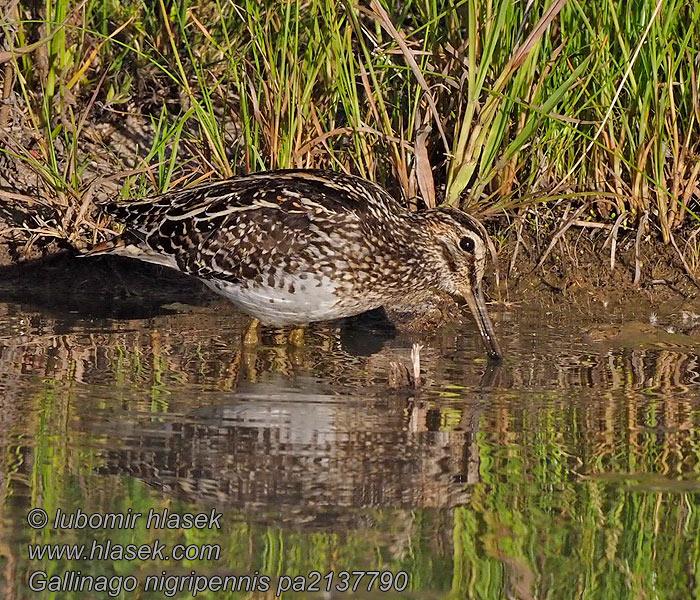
[{"x": 467, "y": 244}]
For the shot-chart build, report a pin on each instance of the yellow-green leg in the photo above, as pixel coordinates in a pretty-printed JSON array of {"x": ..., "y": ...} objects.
[
  {"x": 296, "y": 336},
  {"x": 252, "y": 335}
]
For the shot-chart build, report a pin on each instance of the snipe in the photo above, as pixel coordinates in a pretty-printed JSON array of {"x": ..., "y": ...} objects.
[{"x": 292, "y": 247}]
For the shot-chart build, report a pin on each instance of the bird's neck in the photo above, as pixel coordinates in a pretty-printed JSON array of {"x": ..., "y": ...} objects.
[{"x": 420, "y": 246}]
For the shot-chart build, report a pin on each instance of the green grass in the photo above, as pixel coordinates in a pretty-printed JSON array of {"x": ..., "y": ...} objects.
[{"x": 470, "y": 102}]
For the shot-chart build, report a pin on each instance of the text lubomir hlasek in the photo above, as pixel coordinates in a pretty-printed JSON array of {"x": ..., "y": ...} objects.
[{"x": 163, "y": 519}]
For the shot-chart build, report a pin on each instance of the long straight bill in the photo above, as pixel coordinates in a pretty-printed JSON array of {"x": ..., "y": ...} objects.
[{"x": 477, "y": 304}]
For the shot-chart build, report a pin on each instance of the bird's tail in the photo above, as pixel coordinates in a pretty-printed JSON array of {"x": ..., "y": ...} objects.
[{"x": 131, "y": 247}]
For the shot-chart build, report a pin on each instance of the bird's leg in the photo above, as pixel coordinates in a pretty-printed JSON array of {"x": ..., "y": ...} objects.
[
  {"x": 252, "y": 335},
  {"x": 249, "y": 362},
  {"x": 296, "y": 336}
]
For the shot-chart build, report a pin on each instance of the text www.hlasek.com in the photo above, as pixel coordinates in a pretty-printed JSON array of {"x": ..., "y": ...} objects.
[{"x": 110, "y": 552}]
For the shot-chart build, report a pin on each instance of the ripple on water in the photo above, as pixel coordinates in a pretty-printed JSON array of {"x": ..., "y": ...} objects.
[{"x": 559, "y": 460}]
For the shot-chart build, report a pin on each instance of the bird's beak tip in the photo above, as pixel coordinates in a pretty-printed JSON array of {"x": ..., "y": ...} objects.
[
  {"x": 475, "y": 299},
  {"x": 495, "y": 356}
]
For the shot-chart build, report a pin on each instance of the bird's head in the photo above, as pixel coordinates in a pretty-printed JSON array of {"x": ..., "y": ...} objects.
[{"x": 458, "y": 252}]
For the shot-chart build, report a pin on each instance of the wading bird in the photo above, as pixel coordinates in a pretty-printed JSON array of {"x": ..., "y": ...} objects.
[{"x": 296, "y": 246}]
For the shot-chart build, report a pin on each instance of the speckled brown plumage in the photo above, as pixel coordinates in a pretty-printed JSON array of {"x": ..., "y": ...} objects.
[{"x": 291, "y": 247}]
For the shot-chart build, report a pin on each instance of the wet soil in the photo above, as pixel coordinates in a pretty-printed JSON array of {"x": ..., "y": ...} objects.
[{"x": 66, "y": 281}]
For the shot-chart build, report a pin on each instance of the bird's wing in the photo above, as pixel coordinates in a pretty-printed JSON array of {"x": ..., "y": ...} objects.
[{"x": 240, "y": 228}]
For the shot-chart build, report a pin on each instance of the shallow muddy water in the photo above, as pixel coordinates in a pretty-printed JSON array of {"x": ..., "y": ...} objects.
[{"x": 572, "y": 471}]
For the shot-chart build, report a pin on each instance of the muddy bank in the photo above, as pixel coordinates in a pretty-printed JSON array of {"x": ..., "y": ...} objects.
[
  {"x": 579, "y": 274},
  {"x": 66, "y": 282}
]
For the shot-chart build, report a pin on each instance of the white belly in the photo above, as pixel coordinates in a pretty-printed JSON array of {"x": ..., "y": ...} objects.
[{"x": 275, "y": 306}]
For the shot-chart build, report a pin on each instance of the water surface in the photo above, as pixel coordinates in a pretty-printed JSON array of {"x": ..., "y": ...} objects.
[{"x": 573, "y": 471}]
